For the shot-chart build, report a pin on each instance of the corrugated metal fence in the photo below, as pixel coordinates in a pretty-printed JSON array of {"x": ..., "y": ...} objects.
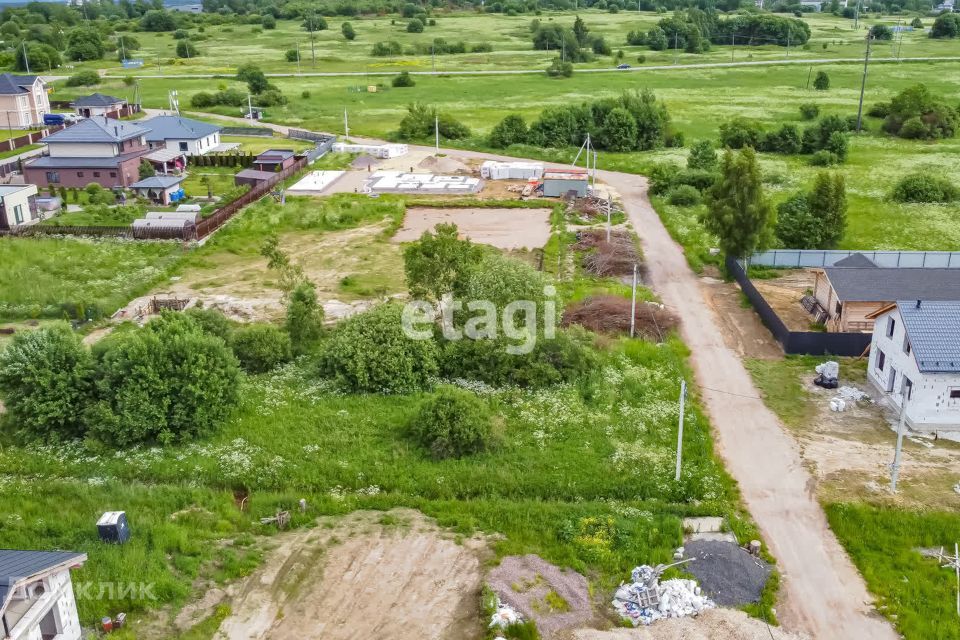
[{"x": 817, "y": 258}]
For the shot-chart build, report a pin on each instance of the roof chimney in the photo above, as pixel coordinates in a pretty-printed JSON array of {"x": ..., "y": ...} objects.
[{"x": 918, "y": 304}]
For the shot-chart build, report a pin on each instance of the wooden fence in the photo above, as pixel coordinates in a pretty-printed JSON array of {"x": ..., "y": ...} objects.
[
  {"x": 220, "y": 217},
  {"x": 129, "y": 232}
]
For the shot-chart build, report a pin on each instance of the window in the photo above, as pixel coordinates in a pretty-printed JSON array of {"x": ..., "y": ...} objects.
[
  {"x": 953, "y": 397},
  {"x": 183, "y": 146},
  {"x": 881, "y": 360},
  {"x": 18, "y": 214},
  {"x": 907, "y": 348},
  {"x": 53, "y": 177},
  {"x": 79, "y": 174},
  {"x": 96, "y": 174},
  {"x": 891, "y": 326},
  {"x": 839, "y": 309},
  {"x": 113, "y": 174},
  {"x": 907, "y": 387}
]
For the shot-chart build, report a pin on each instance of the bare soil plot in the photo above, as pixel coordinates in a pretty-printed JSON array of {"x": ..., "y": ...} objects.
[
  {"x": 501, "y": 228},
  {"x": 371, "y": 575},
  {"x": 742, "y": 330},
  {"x": 712, "y": 624},
  {"x": 784, "y": 294}
]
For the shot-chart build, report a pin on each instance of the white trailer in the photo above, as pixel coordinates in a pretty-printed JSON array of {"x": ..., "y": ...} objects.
[
  {"x": 494, "y": 170},
  {"x": 382, "y": 151}
]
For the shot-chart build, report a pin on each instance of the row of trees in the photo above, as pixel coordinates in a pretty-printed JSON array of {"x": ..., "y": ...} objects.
[
  {"x": 635, "y": 120},
  {"x": 259, "y": 91},
  {"x": 826, "y": 140},
  {"x": 439, "y": 46},
  {"x": 694, "y": 30}
]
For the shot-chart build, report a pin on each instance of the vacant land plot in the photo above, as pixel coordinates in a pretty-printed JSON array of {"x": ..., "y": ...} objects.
[
  {"x": 71, "y": 277},
  {"x": 784, "y": 293},
  {"x": 517, "y": 228}
]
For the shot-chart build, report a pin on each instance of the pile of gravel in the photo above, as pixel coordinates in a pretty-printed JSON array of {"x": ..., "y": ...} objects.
[{"x": 726, "y": 572}]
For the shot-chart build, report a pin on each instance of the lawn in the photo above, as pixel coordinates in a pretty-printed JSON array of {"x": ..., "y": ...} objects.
[
  {"x": 259, "y": 144},
  {"x": 221, "y": 180},
  {"x": 74, "y": 277},
  {"x": 97, "y": 216}
]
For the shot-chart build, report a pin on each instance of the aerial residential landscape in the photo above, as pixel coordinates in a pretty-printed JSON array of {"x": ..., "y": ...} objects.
[{"x": 570, "y": 320}]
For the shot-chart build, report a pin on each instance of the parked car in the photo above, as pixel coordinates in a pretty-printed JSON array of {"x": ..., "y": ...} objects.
[{"x": 623, "y": 66}]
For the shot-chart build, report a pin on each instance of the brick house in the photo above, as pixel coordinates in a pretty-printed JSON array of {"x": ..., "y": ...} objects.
[{"x": 98, "y": 149}]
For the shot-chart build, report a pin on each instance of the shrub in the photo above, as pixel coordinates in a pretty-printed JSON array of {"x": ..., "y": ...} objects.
[
  {"x": 156, "y": 20},
  {"x": 560, "y": 69},
  {"x": 925, "y": 187},
  {"x": 837, "y": 145},
  {"x": 415, "y": 26},
  {"x": 702, "y": 156},
  {"x": 202, "y": 100},
  {"x": 879, "y": 110},
  {"x": 796, "y": 226},
  {"x": 881, "y": 32},
  {"x": 824, "y": 158},
  {"x": 211, "y": 321},
  {"x": 268, "y": 22},
  {"x": 822, "y": 81},
  {"x": 511, "y": 130},
  {"x": 304, "y": 320},
  {"x": 809, "y": 111},
  {"x": 683, "y": 196},
  {"x": 420, "y": 120},
  {"x": 403, "y": 79},
  {"x": 181, "y": 34},
  {"x": 168, "y": 381},
  {"x": 260, "y": 347},
  {"x": 46, "y": 380},
  {"x": 348, "y": 31},
  {"x": 618, "y": 131},
  {"x": 700, "y": 179},
  {"x": 786, "y": 139},
  {"x": 370, "y": 352},
  {"x": 439, "y": 263},
  {"x": 481, "y": 47},
  {"x": 741, "y": 132},
  {"x": 947, "y": 25},
  {"x": 452, "y": 423},
  {"x": 384, "y": 49},
  {"x": 185, "y": 49},
  {"x": 83, "y": 79},
  {"x": 918, "y": 114},
  {"x": 916, "y": 23},
  {"x": 292, "y": 55}
]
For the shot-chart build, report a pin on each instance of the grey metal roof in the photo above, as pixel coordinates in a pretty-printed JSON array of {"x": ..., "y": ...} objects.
[
  {"x": 97, "y": 100},
  {"x": 255, "y": 173},
  {"x": 97, "y": 129},
  {"x": 934, "y": 332},
  {"x": 882, "y": 284},
  {"x": 157, "y": 182},
  {"x": 856, "y": 260},
  {"x": 17, "y": 565},
  {"x": 177, "y": 128},
  {"x": 49, "y": 162},
  {"x": 12, "y": 84},
  {"x": 274, "y": 155}
]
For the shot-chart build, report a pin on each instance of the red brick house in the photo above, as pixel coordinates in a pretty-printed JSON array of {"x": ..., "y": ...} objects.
[{"x": 97, "y": 149}]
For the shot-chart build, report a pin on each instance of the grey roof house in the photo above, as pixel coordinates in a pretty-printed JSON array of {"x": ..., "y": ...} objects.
[
  {"x": 97, "y": 104},
  {"x": 36, "y": 595},
  {"x": 915, "y": 361},
  {"x": 24, "y": 99}
]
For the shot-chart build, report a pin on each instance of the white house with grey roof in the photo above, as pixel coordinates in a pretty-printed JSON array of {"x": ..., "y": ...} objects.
[
  {"x": 915, "y": 358},
  {"x": 36, "y": 595},
  {"x": 183, "y": 135},
  {"x": 97, "y": 104}
]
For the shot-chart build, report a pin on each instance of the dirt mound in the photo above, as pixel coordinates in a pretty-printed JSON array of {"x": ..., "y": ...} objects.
[
  {"x": 444, "y": 165},
  {"x": 553, "y": 598},
  {"x": 372, "y": 575},
  {"x": 713, "y": 624},
  {"x": 611, "y": 314},
  {"x": 726, "y": 572}
]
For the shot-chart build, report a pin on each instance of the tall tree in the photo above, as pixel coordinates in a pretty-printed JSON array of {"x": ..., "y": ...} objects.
[
  {"x": 738, "y": 212},
  {"x": 580, "y": 30},
  {"x": 828, "y": 202}
]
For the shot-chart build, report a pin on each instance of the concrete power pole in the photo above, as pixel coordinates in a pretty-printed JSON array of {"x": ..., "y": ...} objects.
[
  {"x": 683, "y": 397},
  {"x": 633, "y": 303},
  {"x": 895, "y": 467},
  {"x": 863, "y": 85}
]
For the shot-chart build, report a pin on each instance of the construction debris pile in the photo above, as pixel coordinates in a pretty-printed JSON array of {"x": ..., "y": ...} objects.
[
  {"x": 602, "y": 257},
  {"x": 827, "y": 375},
  {"x": 611, "y": 314},
  {"x": 646, "y": 599},
  {"x": 504, "y": 616}
]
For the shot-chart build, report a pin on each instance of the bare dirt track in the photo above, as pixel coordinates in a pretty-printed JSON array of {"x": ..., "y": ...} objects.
[{"x": 362, "y": 579}]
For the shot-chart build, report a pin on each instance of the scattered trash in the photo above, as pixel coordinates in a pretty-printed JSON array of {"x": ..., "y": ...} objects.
[
  {"x": 646, "y": 599},
  {"x": 827, "y": 375},
  {"x": 504, "y": 616},
  {"x": 956, "y": 487},
  {"x": 838, "y": 404}
]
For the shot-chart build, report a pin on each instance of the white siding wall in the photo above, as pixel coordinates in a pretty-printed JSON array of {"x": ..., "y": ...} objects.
[
  {"x": 929, "y": 407},
  {"x": 82, "y": 150},
  {"x": 21, "y": 198},
  {"x": 60, "y": 597},
  {"x": 196, "y": 147}
]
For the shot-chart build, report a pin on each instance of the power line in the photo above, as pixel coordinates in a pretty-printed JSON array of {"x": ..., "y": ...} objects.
[{"x": 730, "y": 393}]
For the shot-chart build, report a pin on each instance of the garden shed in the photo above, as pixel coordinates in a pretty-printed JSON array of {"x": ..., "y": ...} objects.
[{"x": 559, "y": 182}]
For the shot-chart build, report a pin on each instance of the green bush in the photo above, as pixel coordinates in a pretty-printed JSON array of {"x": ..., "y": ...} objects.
[
  {"x": 292, "y": 55},
  {"x": 384, "y": 49},
  {"x": 452, "y": 423},
  {"x": 83, "y": 79},
  {"x": 916, "y": 113},
  {"x": 415, "y": 26},
  {"x": 304, "y": 321},
  {"x": 702, "y": 156},
  {"x": 947, "y": 25},
  {"x": 683, "y": 196},
  {"x": 741, "y": 132},
  {"x": 824, "y": 158},
  {"x": 822, "y": 81},
  {"x": 211, "y": 322},
  {"x": 511, "y": 130},
  {"x": 260, "y": 347},
  {"x": 421, "y": 120},
  {"x": 268, "y": 22},
  {"x": 809, "y": 111},
  {"x": 166, "y": 382},
  {"x": 46, "y": 381},
  {"x": 925, "y": 187},
  {"x": 370, "y": 352},
  {"x": 185, "y": 49},
  {"x": 403, "y": 79}
]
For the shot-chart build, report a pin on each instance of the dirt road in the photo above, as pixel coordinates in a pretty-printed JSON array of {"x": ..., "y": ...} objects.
[{"x": 823, "y": 595}]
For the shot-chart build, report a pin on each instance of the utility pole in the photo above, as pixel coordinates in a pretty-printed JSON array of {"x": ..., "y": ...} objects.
[
  {"x": 809, "y": 73},
  {"x": 733, "y": 45},
  {"x": 683, "y": 397},
  {"x": 346, "y": 124},
  {"x": 676, "y": 50},
  {"x": 856, "y": 16},
  {"x": 900, "y": 43},
  {"x": 298, "y": 56},
  {"x": 633, "y": 301},
  {"x": 608, "y": 218},
  {"x": 433, "y": 57},
  {"x": 436, "y": 132},
  {"x": 158, "y": 63},
  {"x": 863, "y": 84},
  {"x": 26, "y": 58},
  {"x": 895, "y": 467},
  {"x": 788, "y": 43}
]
